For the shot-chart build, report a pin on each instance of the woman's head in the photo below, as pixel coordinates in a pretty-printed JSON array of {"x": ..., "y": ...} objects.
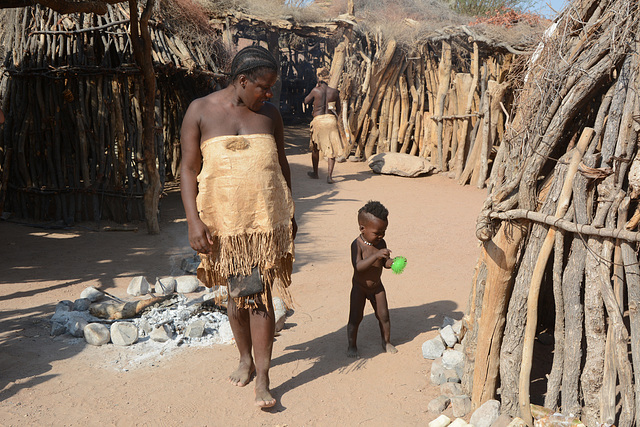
[{"x": 253, "y": 61}]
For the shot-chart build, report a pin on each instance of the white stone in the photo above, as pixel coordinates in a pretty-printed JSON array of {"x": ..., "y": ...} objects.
[
  {"x": 458, "y": 422},
  {"x": 138, "y": 286},
  {"x": 280, "y": 312},
  {"x": 441, "y": 421},
  {"x": 187, "y": 284},
  {"x": 448, "y": 336},
  {"x": 447, "y": 321},
  {"x": 450, "y": 389},
  {"x": 486, "y": 414},
  {"x": 433, "y": 348},
  {"x": 457, "y": 327},
  {"x": 161, "y": 333},
  {"x": 92, "y": 294},
  {"x": 124, "y": 333},
  {"x": 401, "y": 164},
  {"x": 452, "y": 359},
  {"x": 451, "y": 376},
  {"x": 96, "y": 334},
  {"x": 437, "y": 373},
  {"x": 165, "y": 286},
  {"x": 195, "y": 329}
]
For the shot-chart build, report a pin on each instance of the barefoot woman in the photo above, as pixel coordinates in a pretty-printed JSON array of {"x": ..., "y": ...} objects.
[{"x": 236, "y": 191}]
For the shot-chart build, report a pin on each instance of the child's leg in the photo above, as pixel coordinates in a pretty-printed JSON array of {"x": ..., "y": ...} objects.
[
  {"x": 381, "y": 309},
  {"x": 356, "y": 311}
]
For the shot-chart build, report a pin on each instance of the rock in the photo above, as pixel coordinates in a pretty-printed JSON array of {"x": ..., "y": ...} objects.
[
  {"x": 280, "y": 311},
  {"x": 437, "y": 373},
  {"x": 447, "y": 321},
  {"x": 486, "y": 414},
  {"x": 439, "y": 404},
  {"x": 92, "y": 294},
  {"x": 458, "y": 422},
  {"x": 451, "y": 376},
  {"x": 144, "y": 328},
  {"x": 138, "y": 286},
  {"x": 81, "y": 304},
  {"x": 165, "y": 286},
  {"x": 124, "y": 333},
  {"x": 461, "y": 405},
  {"x": 195, "y": 329},
  {"x": 457, "y": 326},
  {"x": 96, "y": 334},
  {"x": 58, "y": 328},
  {"x": 64, "y": 306},
  {"x": 452, "y": 358},
  {"x": 441, "y": 421},
  {"x": 187, "y": 284},
  {"x": 401, "y": 164},
  {"x": 75, "y": 327},
  {"x": 190, "y": 264},
  {"x": 433, "y": 348},
  {"x": 502, "y": 421},
  {"x": 450, "y": 389},
  {"x": 459, "y": 347},
  {"x": 161, "y": 333},
  {"x": 448, "y": 336}
]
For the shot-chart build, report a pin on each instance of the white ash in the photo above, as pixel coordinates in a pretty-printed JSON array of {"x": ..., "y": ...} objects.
[{"x": 180, "y": 315}]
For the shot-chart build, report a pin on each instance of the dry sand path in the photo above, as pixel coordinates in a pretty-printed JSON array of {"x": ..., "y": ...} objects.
[{"x": 61, "y": 381}]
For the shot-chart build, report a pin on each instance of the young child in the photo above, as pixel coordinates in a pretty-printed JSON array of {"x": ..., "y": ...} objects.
[{"x": 369, "y": 254}]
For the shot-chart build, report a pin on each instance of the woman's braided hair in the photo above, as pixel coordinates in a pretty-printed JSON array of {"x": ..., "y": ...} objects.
[{"x": 252, "y": 61}]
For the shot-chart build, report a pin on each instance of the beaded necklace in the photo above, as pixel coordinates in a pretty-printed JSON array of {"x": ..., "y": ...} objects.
[{"x": 364, "y": 241}]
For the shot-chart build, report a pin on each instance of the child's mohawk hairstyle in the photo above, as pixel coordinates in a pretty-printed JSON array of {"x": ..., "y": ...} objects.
[{"x": 374, "y": 208}]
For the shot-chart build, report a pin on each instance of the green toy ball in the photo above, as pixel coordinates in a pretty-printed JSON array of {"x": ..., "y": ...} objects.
[{"x": 398, "y": 265}]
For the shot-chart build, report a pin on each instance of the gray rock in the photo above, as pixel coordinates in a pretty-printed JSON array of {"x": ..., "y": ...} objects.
[
  {"x": 461, "y": 405},
  {"x": 451, "y": 389},
  {"x": 92, "y": 294},
  {"x": 486, "y": 414},
  {"x": 161, "y": 333},
  {"x": 451, "y": 376},
  {"x": 190, "y": 264},
  {"x": 437, "y": 373},
  {"x": 433, "y": 348},
  {"x": 187, "y": 284},
  {"x": 64, "y": 306},
  {"x": 401, "y": 164},
  {"x": 75, "y": 327},
  {"x": 447, "y": 321},
  {"x": 166, "y": 286},
  {"x": 81, "y": 304},
  {"x": 58, "y": 328},
  {"x": 439, "y": 404},
  {"x": 448, "y": 336},
  {"x": 124, "y": 333},
  {"x": 459, "y": 347},
  {"x": 195, "y": 329},
  {"x": 96, "y": 334},
  {"x": 517, "y": 422},
  {"x": 280, "y": 311},
  {"x": 138, "y": 286},
  {"x": 452, "y": 358}
]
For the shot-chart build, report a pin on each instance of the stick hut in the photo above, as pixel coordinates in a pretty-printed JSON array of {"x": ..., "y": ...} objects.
[
  {"x": 71, "y": 148},
  {"x": 559, "y": 229}
]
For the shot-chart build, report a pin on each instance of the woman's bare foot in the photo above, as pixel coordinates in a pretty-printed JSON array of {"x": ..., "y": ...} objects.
[
  {"x": 264, "y": 399},
  {"x": 389, "y": 348},
  {"x": 312, "y": 175},
  {"x": 243, "y": 375},
  {"x": 330, "y": 180},
  {"x": 352, "y": 351}
]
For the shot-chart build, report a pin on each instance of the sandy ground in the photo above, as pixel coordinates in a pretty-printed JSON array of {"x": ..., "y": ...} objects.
[{"x": 63, "y": 381}]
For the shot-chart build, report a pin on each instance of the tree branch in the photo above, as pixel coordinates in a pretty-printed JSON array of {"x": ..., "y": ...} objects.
[{"x": 64, "y": 6}]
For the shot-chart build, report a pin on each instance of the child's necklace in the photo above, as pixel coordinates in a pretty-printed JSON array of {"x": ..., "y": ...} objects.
[{"x": 365, "y": 242}]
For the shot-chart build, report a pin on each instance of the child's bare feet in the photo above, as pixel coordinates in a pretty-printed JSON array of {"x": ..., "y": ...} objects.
[
  {"x": 243, "y": 375},
  {"x": 264, "y": 399},
  {"x": 389, "y": 348},
  {"x": 352, "y": 351}
]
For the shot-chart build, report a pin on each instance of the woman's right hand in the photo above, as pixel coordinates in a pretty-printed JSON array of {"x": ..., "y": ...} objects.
[{"x": 200, "y": 237}]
